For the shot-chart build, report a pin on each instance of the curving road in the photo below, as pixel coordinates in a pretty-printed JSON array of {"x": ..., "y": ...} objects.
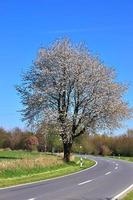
[{"x": 102, "y": 182}]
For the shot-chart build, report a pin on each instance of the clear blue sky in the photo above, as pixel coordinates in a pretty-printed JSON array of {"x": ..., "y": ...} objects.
[{"x": 105, "y": 26}]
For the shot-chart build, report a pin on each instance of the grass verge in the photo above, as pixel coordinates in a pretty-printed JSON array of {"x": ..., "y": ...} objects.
[
  {"x": 130, "y": 159},
  {"x": 24, "y": 167},
  {"x": 129, "y": 196}
]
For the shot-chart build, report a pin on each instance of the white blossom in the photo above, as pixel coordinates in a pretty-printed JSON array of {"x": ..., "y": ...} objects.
[{"x": 69, "y": 86}]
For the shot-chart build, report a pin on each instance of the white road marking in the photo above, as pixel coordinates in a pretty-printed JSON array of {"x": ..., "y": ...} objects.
[
  {"x": 122, "y": 193},
  {"x": 107, "y": 173},
  {"x": 116, "y": 164},
  {"x": 116, "y": 167},
  {"x": 85, "y": 182},
  {"x": 32, "y": 199}
]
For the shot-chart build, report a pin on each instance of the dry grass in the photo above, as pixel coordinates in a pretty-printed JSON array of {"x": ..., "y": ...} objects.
[
  {"x": 18, "y": 167},
  {"x": 29, "y": 163}
]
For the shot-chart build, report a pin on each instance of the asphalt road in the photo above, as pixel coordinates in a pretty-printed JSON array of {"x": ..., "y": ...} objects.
[{"x": 102, "y": 182}]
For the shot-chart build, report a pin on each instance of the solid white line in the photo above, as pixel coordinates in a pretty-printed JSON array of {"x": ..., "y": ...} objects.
[
  {"x": 122, "y": 193},
  {"x": 85, "y": 182},
  {"x": 50, "y": 179},
  {"x": 107, "y": 173}
]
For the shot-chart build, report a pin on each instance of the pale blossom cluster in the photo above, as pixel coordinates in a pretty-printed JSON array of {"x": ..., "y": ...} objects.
[{"x": 70, "y": 87}]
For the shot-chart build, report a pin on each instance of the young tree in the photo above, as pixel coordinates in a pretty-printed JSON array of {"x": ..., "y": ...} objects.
[{"x": 68, "y": 86}]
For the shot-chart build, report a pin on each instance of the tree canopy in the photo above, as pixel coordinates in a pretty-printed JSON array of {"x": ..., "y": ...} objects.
[{"x": 68, "y": 86}]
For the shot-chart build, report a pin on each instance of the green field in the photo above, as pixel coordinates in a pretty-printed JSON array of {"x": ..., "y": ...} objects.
[
  {"x": 18, "y": 167},
  {"x": 10, "y": 155}
]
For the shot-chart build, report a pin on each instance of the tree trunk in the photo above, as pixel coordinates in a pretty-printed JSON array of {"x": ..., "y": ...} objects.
[{"x": 67, "y": 151}]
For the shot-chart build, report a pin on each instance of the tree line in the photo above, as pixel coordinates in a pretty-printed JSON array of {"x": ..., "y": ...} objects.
[
  {"x": 50, "y": 141},
  {"x": 105, "y": 145}
]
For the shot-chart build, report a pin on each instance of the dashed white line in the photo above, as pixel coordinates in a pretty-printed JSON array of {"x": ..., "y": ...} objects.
[
  {"x": 85, "y": 182},
  {"x": 116, "y": 167},
  {"x": 107, "y": 173},
  {"x": 32, "y": 199}
]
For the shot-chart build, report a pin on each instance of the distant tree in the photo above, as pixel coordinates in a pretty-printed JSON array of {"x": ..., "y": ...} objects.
[
  {"x": 68, "y": 86},
  {"x": 105, "y": 151},
  {"x": 4, "y": 138},
  {"x": 31, "y": 143},
  {"x": 130, "y": 133},
  {"x": 16, "y": 136},
  {"x": 48, "y": 138}
]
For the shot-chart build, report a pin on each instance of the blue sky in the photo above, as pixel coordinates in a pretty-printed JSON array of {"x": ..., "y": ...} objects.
[{"x": 105, "y": 26}]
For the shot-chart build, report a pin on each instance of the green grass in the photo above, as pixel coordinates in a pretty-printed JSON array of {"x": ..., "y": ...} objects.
[
  {"x": 124, "y": 158},
  {"x": 129, "y": 196},
  {"x": 7, "y": 155},
  {"x": 18, "y": 167}
]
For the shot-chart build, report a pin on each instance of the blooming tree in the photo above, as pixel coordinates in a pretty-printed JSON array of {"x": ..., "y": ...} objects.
[{"x": 68, "y": 86}]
